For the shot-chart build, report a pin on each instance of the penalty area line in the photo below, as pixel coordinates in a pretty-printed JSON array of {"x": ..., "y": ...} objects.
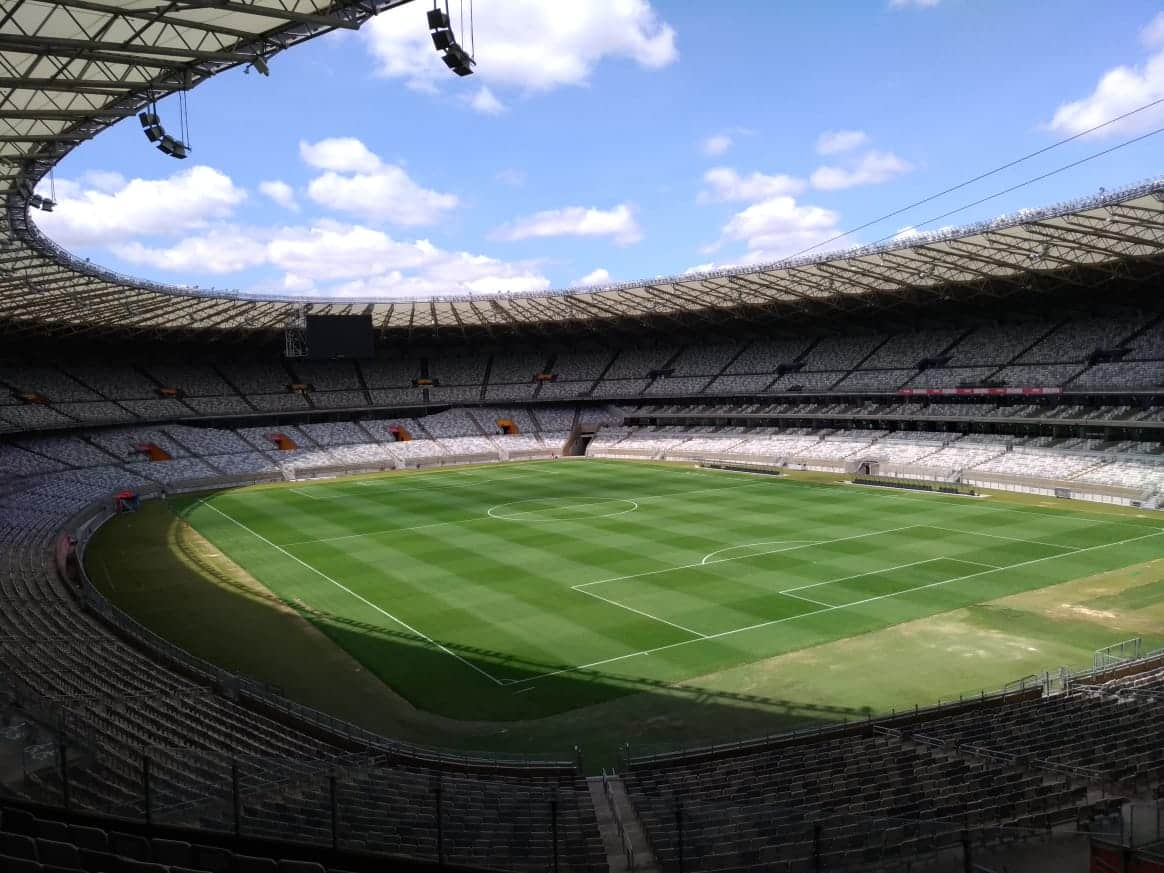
[
  {"x": 639, "y": 611},
  {"x": 824, "y": 610}
]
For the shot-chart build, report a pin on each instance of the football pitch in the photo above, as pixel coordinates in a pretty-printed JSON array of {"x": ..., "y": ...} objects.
[{"x": 516, "y": 591}]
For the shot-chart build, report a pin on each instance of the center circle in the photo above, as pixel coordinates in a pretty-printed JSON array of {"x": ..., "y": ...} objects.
[{"x": 543, "y": 509}]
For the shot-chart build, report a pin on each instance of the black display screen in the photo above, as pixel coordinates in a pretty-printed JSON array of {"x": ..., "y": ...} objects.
[{"x": 340, "y": 336}]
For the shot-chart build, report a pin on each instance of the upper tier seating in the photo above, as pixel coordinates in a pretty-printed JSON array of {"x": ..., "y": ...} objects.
[
  {"x": 703, "y": 361},
  {"x": 517, "y": 367},
  {"x": 996, "y": 344},
  {"x": 581, "y": 364},
  {"x": 53, "y": 385},
  {"x": 458, "y": 370},
  {"x": 390, "y": 372},
  {"x": 905, "y": 350},
  {"x": 115, "y": 383},
  {"x": 199, "y": 380},
  {"x": 637, "y": 363},
  {"x": 1076, "y": 340}
]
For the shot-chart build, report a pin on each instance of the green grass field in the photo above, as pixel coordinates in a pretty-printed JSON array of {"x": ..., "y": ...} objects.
[{"x": 525, "y": 591}]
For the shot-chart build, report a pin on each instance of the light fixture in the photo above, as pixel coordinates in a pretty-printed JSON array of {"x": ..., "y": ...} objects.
[
  {"x": 151, "y": 126},
  {"x": 175, "y": 148},
  {"x": 456, "y": 58}
]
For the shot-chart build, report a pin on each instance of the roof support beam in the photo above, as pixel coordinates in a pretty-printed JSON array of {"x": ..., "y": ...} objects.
[
  {"x": 274, "y": 12},
  {"x": 112, "y": 51},
  {"x": 108, "y": 88}
]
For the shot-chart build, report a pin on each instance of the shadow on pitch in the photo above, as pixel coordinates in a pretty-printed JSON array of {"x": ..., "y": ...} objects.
[{"x": 542, "y": 705}]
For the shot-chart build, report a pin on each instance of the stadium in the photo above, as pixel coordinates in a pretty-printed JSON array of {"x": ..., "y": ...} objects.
[{"x": 848, "y": 561}]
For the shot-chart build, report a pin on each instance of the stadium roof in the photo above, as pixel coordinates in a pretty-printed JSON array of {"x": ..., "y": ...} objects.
[{"x": 70, "y": 68}]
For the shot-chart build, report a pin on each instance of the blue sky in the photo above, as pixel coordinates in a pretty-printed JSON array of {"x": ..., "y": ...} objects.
[{"x": 614, "y": 140}]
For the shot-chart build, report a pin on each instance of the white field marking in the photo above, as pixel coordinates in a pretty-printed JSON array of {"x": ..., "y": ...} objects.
[
  {"x": 308, "y": 494},
  {"x": 520, "y": 516},
  {"x": 979, "y": 563},
  {"x": 711, "y": 555},
  {"x": 640, "y": 612},
  {"x": 524, "y": 690},
  {"x": 753, "y": 555},
  {"x": 485, "y": 517},
  {"x": 862, "y": 575},
  {"x": 776, "y": 621},
  {"x": 974, "y": 533},
  {"x": 789, "y": 591},
  {"x": 808, "y": 599},
  {"x": 359, "y": 597}
]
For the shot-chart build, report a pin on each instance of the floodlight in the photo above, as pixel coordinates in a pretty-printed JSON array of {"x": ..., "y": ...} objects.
[
  {"x": 458, "y": 60},
  {"x": 148, "y": 119},
  {"x": 442, "y": 39},
  {"x": 173, "y": 147},
  {"x": 260, "y": 65},
  {"x": 437, "y": 19}
]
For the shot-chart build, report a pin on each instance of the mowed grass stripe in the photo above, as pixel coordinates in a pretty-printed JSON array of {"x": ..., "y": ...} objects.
[
  {"x": 498, "y": 593},
  {"x": 936, "y": 600},
  {"x": 482, "y": 593}
]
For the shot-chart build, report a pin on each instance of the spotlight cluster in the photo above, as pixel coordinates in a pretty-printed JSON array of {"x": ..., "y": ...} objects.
[
  {"x": 456, "y": 58},
  {"x": 35, "y": 200},
  {"x": 155, "y": 133}
]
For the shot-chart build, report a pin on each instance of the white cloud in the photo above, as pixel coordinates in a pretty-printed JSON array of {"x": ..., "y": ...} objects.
[
  {"x": 486, "y": 102},
  {"x": 333, "y": 259},
  {"x": 725, "y": 184},
  {"x": 358, "y": 182},
  {"x": 510, "y": 176},
  {"x": 222, "y": 250},
  {"x": 601, "y": 276},
  {"x": 386, "y": 195},
  {"x": 1152, "y": 35},
  {"x": 529, "y": 44},
  {"x": 873, "y": 169},
  {"x": 913, "y": 4},
  {"x": 1119, "y": 90},
  {"x": 341, "y": 154},
  {"x": 111, "y": 212},
  {"x": 103, "y": 180},
  {"x": 618, "y": 223},
  {"x": 833, "y": 142},
  {"x": 779, "y": 227},
  {"x": 716, "y": 145},
  {"x": 281, "y": 193}
]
